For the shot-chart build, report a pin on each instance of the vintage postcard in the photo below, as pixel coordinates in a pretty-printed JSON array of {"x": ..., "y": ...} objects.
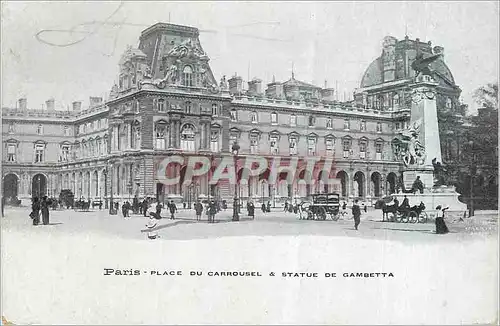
[{"x": 312, "y": 163}]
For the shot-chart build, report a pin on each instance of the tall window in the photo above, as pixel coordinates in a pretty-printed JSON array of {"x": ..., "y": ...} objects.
[
  {"x": 448, "y": 103},
  {"x": 137, "y": 137},
  {"x": 274, "y": 118},
  {"x": 187, "y": 76},
  {"x": 329, "y": 123},
  {"x": 64, "y": 153},
  {"x": 214, "y": 140},
  {"x": 346, "y": 146},
  {"x": 160, "y": 137},
  {"x": 312, "y": 121},
  {"x": 188, "y": 108},
  {"x": 98, "y": 147},
  {"x": 347, "y": 124},
  {"x": 362, "y": 149},
  {"x": 187, "y": 138},
  {"x": 39, "y": 149},
  {"x": 378, "y": 151},
  {"x": 395, "y": 99},
  {"x": 293, "y": 120},
  {"x": 39, "y": 129},
  {"x": 137, "y": 106},
  {"x": 253, "y": 117},
  {"x": 330, "y": 147},
  {"x": 161, "y": 105},
  {"x": 293, "y": 146},
  {"x": 11, "y": 128},
  {"x": 311, "y": 146},
  {"x": 11, "y": 152},
  {"x": 273, "y": 142},
  {"x": 379, "y": 127},
  {"x": 254, "y": 143},
  {"x": 233, "y": 137},
  {"x": 234, "y": 116},
  {"x": 214, "y": 109},
  {"x": 362, "y": 125}
]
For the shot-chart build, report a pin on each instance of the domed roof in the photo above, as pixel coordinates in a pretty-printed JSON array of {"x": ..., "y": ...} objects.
[{"x": 373, "y": 75}]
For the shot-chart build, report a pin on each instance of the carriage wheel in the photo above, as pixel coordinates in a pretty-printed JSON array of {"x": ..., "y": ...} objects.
[
  {"x": 321, "y": 212},
  {"x": 393, "y": 217},
  {"x": 422, "y": 218},
  {"x": 401, "y": 218},
  {"x": 310, "y": 214},
  {"x": 413, "y": 217}
]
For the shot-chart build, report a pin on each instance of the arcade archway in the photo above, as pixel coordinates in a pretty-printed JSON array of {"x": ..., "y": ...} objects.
[
  {"x": 10, "y": 186},
  {"x": 359, "y": 187},
  {"x": 375, "y": 184},
  {"x": 391, "y": 183},
  {"x": 344, "y": 181}
]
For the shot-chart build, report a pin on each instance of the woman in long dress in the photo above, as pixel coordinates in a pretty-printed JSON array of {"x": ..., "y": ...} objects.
[
  {"x": 45, "y": 210},
  {"x": 35, "y": 211},
  {"x": 441, "y": 227}
]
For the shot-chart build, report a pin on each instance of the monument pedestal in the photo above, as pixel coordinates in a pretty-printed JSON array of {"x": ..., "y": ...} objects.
[{"x": 426, "y": 176}]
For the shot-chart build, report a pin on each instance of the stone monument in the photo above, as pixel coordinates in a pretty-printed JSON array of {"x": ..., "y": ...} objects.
[{"x": 418, "y": 146}]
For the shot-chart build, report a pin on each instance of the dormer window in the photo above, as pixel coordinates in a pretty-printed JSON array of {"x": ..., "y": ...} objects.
[
  {"x": 187, "y": 76},
  {"x": 161, "y": 105},
  {"x": 253, "y": 117},
  {"x": 274, "y": 118},
  {"x": 347, "y": 124},
  {"x": 234, "y": 115},
  {"x": 329, "y": 123},
  {"x": 362, "y": 125},
  {"x": 188, "y": 108},
  {"x": 312, "y": 121}
]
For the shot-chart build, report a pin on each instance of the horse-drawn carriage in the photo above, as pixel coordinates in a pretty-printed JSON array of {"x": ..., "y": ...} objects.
[
  {"x": 397, "y": 213},
  {"x": 321, "y": 206},
  {"x": 82, "y": 205}
]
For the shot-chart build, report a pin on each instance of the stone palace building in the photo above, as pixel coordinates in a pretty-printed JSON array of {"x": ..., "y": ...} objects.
[{"x": 167, "y": 101}]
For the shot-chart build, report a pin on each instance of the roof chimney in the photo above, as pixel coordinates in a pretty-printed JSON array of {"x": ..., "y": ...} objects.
[
  {"x": 235, "y": 85},
  {"x": 77, "y": 106},
  {"x": 23, "y": 103},
  {"x": 49, "y": 104}
]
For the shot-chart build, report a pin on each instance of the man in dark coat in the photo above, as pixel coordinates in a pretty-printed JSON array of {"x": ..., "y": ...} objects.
[
  {"x": 35, "y": 211},
  {"x": 172, "y": 208},
  {"x": 45, "y": 210},
  {"x": 212, "y": 210},
  {"x": 356, "y": 213},
  {"x": 145, "y": 207},
  {"x": 269, "y": 207},
  {"x": 158, "y": 209},
  {"x": 263, "y": 207},
  {"x": 251, "y": 209},
  {"x": 198, "y": 207}
]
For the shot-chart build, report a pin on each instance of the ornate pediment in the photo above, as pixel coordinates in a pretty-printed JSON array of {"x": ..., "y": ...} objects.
[{"x": 188, "y": 49}]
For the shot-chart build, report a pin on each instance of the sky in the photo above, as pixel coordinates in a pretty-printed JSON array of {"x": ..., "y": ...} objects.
[{"x": 323, "y": 41}]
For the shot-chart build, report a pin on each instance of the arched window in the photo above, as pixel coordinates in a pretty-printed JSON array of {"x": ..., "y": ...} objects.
[
  {"x": 214, "y": 140},
  {"x": 187, "y": 138},
  {"x": 187, "y": 76}
]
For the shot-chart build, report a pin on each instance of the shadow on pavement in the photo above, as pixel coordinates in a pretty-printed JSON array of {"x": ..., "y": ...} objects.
[{"x": 407, "y": 230}]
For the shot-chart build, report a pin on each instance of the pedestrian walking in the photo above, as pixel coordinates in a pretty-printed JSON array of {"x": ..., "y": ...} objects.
[
  {"x": 269, "y": 207},
  {"x": 45, "y": 210},
  {"x": 356, "y": 213},
  {"x": 264, "y": 208},
  {"x": 158, "y": 209},
  {"x": 212, "y": 209},
  {"x": 286, "y": 206},
  {"x": 173, "y": 209},
  {"x": 251, "y": 210},
  {"x": 145, "y": 207},
  {"x": 198, "y": 207},
  {"x": 441, "y": 227},
  {"x": 35, "y": 211}
]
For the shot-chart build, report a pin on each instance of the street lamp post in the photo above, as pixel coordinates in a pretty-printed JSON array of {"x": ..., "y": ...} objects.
[
  {"x": 111, "y": 204},
  {"x": 472, "y": 173},
  {"x": 105, "y": 188},
  {"x": 235, "y": 149}
]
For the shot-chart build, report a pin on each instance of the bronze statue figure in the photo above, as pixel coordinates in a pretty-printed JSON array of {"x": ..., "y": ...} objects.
[{"x": 421, "y": 64}]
